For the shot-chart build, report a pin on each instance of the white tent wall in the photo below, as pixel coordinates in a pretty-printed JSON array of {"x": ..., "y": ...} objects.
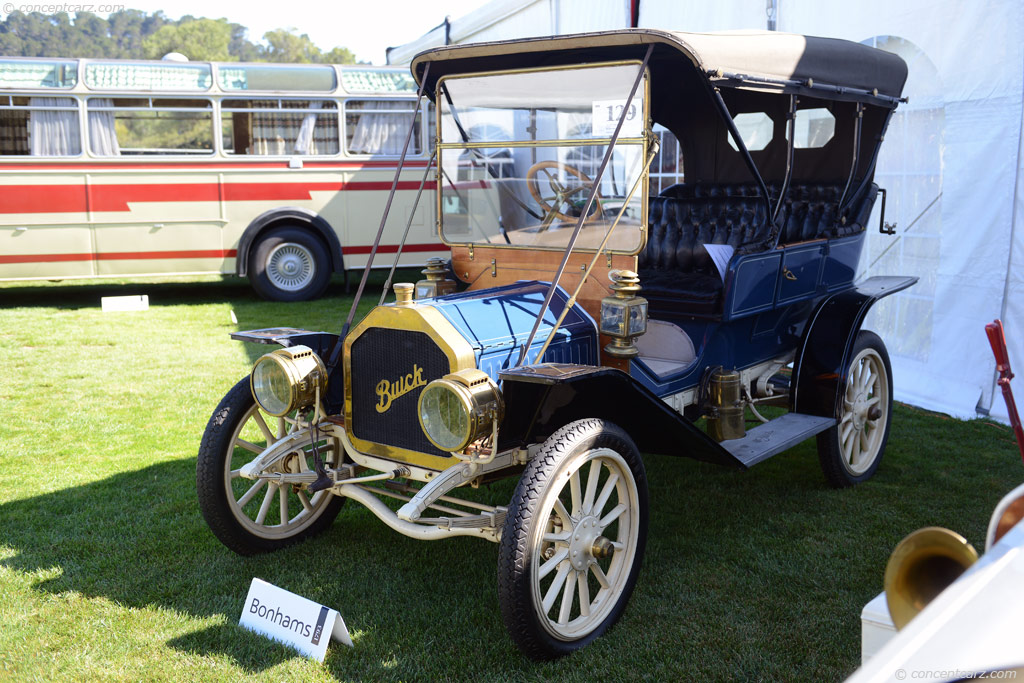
[
  {"x": 955, "y": 219},
  {"x": 508, "y": 19},
  {"x": 952, "y": 164}
]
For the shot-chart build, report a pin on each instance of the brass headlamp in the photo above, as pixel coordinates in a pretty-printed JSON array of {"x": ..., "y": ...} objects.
[
  {"x": 460, "y": 408},
  {"x": 623, "y": 315},
  {"x": 288, "y": 379}
]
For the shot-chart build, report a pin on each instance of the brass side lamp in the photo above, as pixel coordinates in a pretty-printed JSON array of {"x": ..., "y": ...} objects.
[
  {"x": 624, "y": 314},
  {"x": 437, "y": 282}
]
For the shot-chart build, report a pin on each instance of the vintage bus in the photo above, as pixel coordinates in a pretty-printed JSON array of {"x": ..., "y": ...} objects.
[{"x": 273, "y": 172}]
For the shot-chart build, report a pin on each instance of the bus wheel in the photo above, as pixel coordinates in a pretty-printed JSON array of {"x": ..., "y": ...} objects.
[{"x": 289, "y": 264}]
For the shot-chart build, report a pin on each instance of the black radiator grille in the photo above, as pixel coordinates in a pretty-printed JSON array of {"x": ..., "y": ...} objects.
[{"x": 386, "y": 359}]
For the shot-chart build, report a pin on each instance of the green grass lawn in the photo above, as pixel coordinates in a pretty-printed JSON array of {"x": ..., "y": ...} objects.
[{"x": 108, "y": 572}]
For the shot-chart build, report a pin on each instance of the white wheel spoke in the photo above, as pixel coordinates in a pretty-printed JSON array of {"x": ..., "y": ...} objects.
[
  {"x": 283, "y": 495},
  {"x": 606, "y": 493},
  {"x": 563, "y": 513},
  {"x": 567, "y": 596},
  {"x": 555, "y": 587},
  {"x": 865, "y": 442},
  {"x": 305, "y": 501},
  {"x": 548, "y": 565},
  {"x": 844, "y": 433},
  {"x": 600, "y": 576},
  {"x": 248, "y": 445},
  {"x": 592, "y": 478},
  {"x": 873, "y": 401},
  {"x": 265, "y": 506},
  {"x": 617, "y": 545},
  {"x": 262, "y": 424},
  {"x": 847, "y": 417},
  {"x": 855, "y": 451},
  {"x": 584, "y": 589},
  {"x": 235, "y": 474},
  {"x": 577, "y": 495},
  {"x": 613, "y": 515},
  {"x": 560, "y": 537},
  {"x": 253, "y": 490}
]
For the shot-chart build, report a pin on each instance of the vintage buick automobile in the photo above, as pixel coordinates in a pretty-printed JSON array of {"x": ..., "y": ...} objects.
[{"x": 547, "y": 364}]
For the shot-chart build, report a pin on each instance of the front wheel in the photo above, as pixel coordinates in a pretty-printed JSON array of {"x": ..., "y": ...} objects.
[
  {"x": 851, "y": 451},
  {"x": 248, "y": 516},
  {"x": 573, "y": 540},
  {"x": 289, "y": 264}
]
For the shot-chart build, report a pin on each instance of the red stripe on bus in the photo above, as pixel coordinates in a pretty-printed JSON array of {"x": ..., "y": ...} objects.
[
  {"x": 74, "y": 199},
  {"x": 393, "y": 248},
  {"x": 341, "y": 165},
  {"x": 119, "y": 256},
  {"x": 202, "y": 253}
]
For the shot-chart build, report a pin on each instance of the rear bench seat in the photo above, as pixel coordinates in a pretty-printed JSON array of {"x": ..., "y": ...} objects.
[{"x": 677, "y": 273}]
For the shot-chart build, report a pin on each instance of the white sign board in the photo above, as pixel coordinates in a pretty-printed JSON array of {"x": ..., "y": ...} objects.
[
  {"x": 605, "y": 116},
  {"x": 292, "y": 620},
  {"x": 120, "y": 304}
]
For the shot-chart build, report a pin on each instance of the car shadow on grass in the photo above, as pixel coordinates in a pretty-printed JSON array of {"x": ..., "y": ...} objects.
[
  {"x": 138, "y": 539},
  {"x": 757, "y": 575}
]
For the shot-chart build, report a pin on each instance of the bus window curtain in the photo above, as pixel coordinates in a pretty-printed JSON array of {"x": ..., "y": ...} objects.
[
  {"x": 271, "y": 131},
  {"x": 53, "y": 132},
  {"x": 102, "y": 133},
  {"x": 13, "y": 132},
  {"x": 382, "y": 133},
  {"x": 305, "y": 142}
]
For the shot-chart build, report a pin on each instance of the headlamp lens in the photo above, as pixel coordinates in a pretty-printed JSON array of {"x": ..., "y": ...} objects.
[
  {"x": 444, "y": 416},
  {"x": 271, "y": 387}
]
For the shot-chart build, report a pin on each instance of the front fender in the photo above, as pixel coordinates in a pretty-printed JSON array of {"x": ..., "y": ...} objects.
[
  {"x": 541, "y": 398},
  {"x": 823, "y": 358}
]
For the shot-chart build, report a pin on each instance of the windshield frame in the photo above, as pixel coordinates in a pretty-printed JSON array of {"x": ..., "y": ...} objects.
[{"x": 643, "y": 141}]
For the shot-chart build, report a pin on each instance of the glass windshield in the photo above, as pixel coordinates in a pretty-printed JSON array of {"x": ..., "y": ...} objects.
[{"x": 519, "y": 153}]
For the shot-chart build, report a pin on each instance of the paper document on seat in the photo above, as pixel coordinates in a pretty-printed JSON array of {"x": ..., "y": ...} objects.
[{"x": 720, "y": 254}]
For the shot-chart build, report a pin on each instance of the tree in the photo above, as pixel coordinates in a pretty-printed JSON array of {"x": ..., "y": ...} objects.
[
  {"x": 133, "y": 34},
  {"x": 339, "y": 55},
  {"x": 197, "y": 39},
  {"x": 285, "y": 46}
]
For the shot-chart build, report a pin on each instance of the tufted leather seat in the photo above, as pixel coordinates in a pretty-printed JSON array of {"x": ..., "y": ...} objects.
[{"x": 677, "y": 273}]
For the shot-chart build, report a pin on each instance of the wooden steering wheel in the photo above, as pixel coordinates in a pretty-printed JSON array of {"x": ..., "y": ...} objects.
[{"x": 559, "y": 200}]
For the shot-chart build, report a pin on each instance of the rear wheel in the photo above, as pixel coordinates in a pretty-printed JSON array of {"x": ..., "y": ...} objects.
[
  {"x": 289, "y": 264},
  {"x": 851, "y": 451},
  {"x": 573, "y": 540},
  {"x": 258, "y": 516}
]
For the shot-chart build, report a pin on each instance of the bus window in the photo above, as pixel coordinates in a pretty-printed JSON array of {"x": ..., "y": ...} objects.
[
  {"x": 272, "y": 126},
  {"x": 39, "y": 126},
  {"x": 380, "y": 127},
  {"x": 131, "y": 126}
]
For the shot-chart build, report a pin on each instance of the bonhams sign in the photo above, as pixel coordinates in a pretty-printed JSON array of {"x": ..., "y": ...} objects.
[{"x": 292, "y": 620}]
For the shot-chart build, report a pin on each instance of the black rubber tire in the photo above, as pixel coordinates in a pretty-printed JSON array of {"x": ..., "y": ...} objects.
[
  {"x": 314, "y": 257},
  {"x": 515, "y": 553},
  {"x": 830, "y": 452},
  {"x": 212, "y": 485}
]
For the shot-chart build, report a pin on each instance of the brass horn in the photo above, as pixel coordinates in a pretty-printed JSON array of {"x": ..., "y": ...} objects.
[{"x": 921, "y": 567}]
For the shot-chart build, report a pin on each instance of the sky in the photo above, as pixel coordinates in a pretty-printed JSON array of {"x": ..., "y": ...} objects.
[{"x": 367, "y": 27}]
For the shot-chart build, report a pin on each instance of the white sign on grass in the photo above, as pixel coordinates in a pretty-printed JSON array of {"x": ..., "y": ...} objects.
[{"x": 292, "y": 620}]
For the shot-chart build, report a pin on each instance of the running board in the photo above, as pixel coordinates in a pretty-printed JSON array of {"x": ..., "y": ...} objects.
[{"x": 771, "y": 438}]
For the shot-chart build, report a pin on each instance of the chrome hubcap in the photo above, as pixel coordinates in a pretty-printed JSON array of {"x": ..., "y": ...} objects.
[{"x": 290, "y": 266}]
